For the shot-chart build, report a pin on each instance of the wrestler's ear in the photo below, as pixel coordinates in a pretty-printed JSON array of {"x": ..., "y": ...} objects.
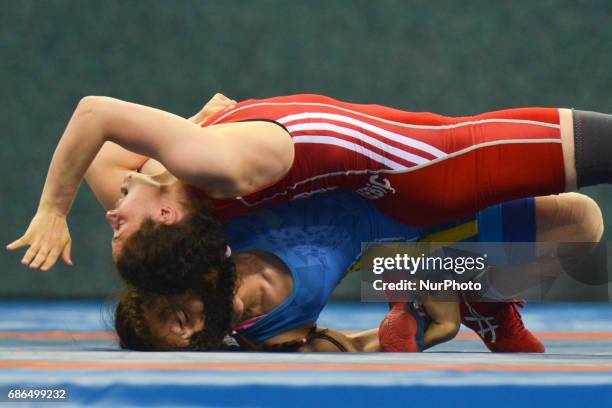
[{"x": 169, "y": 215}]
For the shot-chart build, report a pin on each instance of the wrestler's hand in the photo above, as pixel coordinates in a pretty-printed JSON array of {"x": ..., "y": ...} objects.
[
  {"x": 216, "y": 104},
  {"x": 48, "y": 238}
]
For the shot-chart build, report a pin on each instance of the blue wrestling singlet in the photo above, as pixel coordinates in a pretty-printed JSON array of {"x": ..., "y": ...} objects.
[{"x": 320, "y": 238}]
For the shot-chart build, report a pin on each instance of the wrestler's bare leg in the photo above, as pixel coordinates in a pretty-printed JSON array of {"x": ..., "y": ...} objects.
[
  {"x": 567, "y": 139},
  {"x": 569, "y": 217},
  {"x": 445, "y": 322},
  {"x": 565, "y": 218}
]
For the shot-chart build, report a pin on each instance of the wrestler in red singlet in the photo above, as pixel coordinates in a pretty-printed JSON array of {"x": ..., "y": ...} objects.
[{"x": 421, "y": 168}]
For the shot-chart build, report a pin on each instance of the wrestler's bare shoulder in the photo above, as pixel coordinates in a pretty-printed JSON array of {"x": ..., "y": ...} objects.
[{"x": 262, "y": 150}]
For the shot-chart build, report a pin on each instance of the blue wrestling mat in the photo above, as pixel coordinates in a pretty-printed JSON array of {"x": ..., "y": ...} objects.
[{"x": 69, "y": 345}]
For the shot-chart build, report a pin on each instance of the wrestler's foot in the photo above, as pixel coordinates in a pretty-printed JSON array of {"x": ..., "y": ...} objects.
[
  {"x": 500, "y": 326},
  {"x": 402, "y": 329}
]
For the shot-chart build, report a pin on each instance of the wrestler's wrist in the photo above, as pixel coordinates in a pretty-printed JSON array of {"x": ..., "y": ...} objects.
[{"x": 53, "y": 207}]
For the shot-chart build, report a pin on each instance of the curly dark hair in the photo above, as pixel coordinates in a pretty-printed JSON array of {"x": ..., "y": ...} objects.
[
  {"x": 130, "y": 323},
  {"x": 167, "y": 260}
]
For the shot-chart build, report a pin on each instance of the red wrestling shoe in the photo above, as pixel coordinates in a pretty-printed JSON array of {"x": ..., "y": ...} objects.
[
  {"x": 402, "y": 329},
  {"x": 500, "y": 326}
]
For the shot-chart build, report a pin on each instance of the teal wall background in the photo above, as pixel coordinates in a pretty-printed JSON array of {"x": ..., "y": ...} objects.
[{"x": 450, "y": 57}]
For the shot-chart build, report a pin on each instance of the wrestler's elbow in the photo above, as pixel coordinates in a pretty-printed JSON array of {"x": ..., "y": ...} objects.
[
  {"x": 91, "y": 111},
  {"x": 91, "y": 104}
]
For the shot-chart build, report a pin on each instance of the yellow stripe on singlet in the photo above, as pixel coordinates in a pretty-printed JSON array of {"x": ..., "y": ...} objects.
[{"x": 457, "y": 233}]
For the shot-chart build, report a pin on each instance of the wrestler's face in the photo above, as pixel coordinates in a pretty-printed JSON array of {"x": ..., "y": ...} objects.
[
  {"x": 142, "y": 198},
  {"x": 174, "y": 320}
]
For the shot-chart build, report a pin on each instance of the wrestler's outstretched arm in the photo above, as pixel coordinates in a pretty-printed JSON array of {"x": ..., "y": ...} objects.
[{"x": 224, "y": 161}]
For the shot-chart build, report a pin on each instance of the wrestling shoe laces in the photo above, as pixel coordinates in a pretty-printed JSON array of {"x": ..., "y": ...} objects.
[
  {"x": 500, "y": 326},
  {"x": 483, "y": 325}
]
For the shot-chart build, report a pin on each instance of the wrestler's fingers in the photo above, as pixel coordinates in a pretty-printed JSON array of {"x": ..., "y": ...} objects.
[
  {"x": 51, "y": 260},
  {"x": 41, "y": 256},
  {"x": 29, "y": 255},
  {"x": 66, "y": 254},
  {"x": 21, "y": 242}
]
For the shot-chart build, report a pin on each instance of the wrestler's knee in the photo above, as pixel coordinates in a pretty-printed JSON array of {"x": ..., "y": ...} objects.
[
  {"x": 569, "y": 217},
  {"x": 587, "y": 218}
]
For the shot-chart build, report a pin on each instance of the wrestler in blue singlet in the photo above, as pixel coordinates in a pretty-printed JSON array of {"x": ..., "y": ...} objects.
[{"x": 319, "y": 239}]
